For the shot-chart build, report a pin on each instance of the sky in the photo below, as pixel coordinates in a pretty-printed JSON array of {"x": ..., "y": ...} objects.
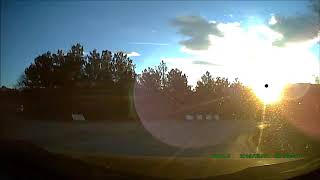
[{"x": 257, "y": 41}]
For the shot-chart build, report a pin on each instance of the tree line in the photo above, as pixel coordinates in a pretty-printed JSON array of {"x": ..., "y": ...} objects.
[
  {"x": 75, "y": 69},
  {"x": 102, "y": 84}
]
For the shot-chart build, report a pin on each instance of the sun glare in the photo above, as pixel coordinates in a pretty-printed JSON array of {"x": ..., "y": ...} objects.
[
  {"x": 270, "y": 94},
  {"x": 271, "y": 68},
  {"x": 247, "y": 51}
]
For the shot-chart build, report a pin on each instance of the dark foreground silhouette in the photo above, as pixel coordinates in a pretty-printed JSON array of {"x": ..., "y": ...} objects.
[{"x": 22, "y": 160}]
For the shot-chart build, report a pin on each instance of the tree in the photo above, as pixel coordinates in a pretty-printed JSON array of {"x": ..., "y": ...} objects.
[
  {"x": 123, "y": 71},
  {"x": 243, "y": 102},
  {"x": 154, "y": 79},
  {"x": 106, "y": 68},
  {"x": 162, "y": 71},
  {"x": 177, "y": 86},
  {"x": 212, "y": 87},
  {"x": 205, "y": 85},
  {"x": 21, "y": 82},
  {"x": 73, "y": 67},
  {"x": 93, "y": 66},
  {"x": 55, "y": 70},
  {"x": 67, "y": 70},
  {"x": 98, "y": 70},
  {"x": 40, "y": 74},
  {"x": 211, "y": 93},
  {"x": 150, "y": 81}
]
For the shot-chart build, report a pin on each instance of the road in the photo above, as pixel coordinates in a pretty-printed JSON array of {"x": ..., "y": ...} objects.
[
  {"x": 137, "y": 149},
  {"x": 132, "y": 138}
]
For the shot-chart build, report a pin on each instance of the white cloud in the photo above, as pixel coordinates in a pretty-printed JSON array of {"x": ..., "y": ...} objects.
[
  {"x": 133, "y": 54},
  {"x": 272, "y": 20}
]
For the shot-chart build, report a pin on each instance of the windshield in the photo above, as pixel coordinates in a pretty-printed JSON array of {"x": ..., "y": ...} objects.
[{"x": 162, "y": 89}]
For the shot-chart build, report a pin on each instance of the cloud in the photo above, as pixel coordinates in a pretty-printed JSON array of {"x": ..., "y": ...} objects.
[
  {"x": 272, "y": 20},
  {"x": 150, "y": 43},
  {"x": 133, "y": 54},
  {"x": 198, "y": 29},
  {"x": 249, "y": 54},
  {"x": 205, "y": 63},
  {"x": 296, "y": 28}
]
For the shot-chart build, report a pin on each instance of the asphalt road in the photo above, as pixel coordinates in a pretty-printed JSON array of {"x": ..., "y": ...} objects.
[
  {"x": 133, "y": 138},
  {"x": 132, "y": 142}
]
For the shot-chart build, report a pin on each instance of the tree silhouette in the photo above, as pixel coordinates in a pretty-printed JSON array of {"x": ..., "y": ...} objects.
[
  {"x": 162, "y": 70},
  {"x": 55, "y": 70},
  {"x": 177, "y": 87},
  {"x": 81, "y": 77},
  {"x": 243, "y": 103},
  {"x": 40, "y": 74},
  {"x": 98, "y": 69},
  {"x": 154, "y": 80},
  {"x": 93, "y": 66},
  {"x": 71, "y": 69},
  {"x": 150, "y": 81},
  {"x": 123, "y": 72},
  {"x": 210, "y": 93},
  {"x": 105, "y": 74},
  {"x": 209, "y": 87}
]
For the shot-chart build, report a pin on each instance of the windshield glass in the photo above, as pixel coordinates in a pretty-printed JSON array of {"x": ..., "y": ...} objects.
[{"x": 162, "y": 89}]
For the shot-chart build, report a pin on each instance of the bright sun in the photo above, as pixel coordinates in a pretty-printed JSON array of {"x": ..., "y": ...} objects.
[
  {"x": 268, "y": 80},
  {"x": 269, "y": 94},
  {"x": 277, "y": 66}
]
